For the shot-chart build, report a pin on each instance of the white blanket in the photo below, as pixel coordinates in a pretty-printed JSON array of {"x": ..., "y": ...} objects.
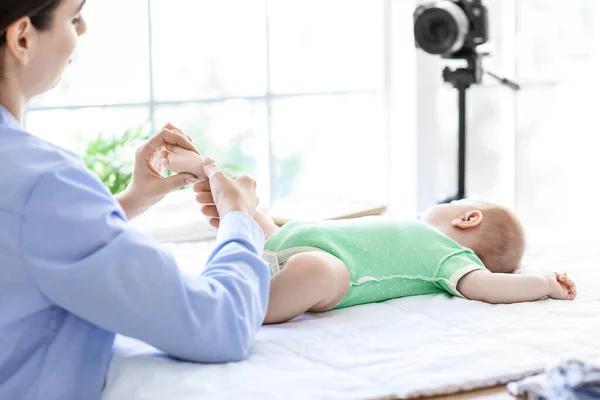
[{"x": 409, "y": 347}]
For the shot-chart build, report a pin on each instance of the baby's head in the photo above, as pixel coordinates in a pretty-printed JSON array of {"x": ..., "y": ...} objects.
[{"x": 492, "y": 231}]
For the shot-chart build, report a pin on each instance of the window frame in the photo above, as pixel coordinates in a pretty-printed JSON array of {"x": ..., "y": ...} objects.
[{"x": 399, "y": 124}]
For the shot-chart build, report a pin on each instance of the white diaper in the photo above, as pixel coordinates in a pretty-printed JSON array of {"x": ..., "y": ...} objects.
[{"x": 277, "y": 261}]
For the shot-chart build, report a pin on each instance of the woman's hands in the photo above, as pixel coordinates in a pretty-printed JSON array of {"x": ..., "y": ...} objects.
[
  {"x": 219, "y": 193},
  {"x": 148, "y": 186},
  {"x": 222, "y": 194}
]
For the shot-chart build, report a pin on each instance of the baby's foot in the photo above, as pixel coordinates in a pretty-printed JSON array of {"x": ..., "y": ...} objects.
[{"x": 180, "y": 160}]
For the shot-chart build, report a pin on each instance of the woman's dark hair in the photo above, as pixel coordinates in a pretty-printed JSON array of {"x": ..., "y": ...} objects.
[{"x": 40, "y": 12}]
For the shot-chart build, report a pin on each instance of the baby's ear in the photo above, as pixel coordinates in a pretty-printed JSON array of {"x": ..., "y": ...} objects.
[{"x": 469, "y": 220}]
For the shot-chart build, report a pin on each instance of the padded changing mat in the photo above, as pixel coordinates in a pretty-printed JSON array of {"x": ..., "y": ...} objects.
[{"x": 409, "y": 347}]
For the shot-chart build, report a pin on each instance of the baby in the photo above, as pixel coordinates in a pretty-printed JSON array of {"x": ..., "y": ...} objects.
[{"x": 467, "y": 249}]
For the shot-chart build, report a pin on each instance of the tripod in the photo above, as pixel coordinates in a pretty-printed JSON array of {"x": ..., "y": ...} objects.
[{"x": 462, "y": 79}]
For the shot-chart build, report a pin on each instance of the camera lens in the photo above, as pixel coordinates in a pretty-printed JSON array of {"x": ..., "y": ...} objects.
[
  {"x": 441, "y": 28},
  {"x": 438, "y": 31}
]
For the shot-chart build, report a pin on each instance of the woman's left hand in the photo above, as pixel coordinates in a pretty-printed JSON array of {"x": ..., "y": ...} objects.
[{"x": 148, "y": 186}]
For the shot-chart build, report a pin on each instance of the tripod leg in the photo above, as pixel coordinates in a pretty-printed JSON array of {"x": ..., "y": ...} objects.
[{"x": 462, "y": 141}]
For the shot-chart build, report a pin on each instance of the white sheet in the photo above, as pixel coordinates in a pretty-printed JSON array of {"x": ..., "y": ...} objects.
[
  {"x": 409, "y": 347},
  {"x": 175, "y": 219}
]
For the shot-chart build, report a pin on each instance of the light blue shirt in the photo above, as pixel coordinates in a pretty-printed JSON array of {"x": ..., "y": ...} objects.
[{"x": 72, "y": 274}]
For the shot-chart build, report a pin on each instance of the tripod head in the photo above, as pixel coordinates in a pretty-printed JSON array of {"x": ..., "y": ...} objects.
[{"x": 473, "y": 73}]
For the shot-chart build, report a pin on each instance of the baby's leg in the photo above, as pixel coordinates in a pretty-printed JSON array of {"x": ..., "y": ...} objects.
[{"x": 311, "y": 281}]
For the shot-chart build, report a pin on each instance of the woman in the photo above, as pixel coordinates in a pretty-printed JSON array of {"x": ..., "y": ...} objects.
[{"x": 72, "y": 274}]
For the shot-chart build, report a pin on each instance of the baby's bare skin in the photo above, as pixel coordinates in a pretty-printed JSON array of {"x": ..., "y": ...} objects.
[
  {"x": 305, "y": 273},
  {"x": 179, "y": 159}
]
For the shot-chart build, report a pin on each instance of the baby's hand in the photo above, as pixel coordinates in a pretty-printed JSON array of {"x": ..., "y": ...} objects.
[
  {"x": 562, "y": 288},
  {"x": 180, "y": 160}
]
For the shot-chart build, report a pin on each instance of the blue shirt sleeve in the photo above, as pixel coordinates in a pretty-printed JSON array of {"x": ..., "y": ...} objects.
[{"x": 86, "y": 260}]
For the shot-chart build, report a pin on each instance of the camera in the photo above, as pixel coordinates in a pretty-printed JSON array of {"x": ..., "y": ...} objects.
[{"x": 451, "y": 28}]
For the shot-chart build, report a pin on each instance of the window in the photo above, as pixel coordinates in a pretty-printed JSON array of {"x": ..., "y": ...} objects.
[
  {"x": 558, "y": 44},
  {"x": 291, "y": 92}
]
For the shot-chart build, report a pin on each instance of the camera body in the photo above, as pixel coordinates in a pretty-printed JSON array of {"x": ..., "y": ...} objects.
[{"x": 451, "y": 28}]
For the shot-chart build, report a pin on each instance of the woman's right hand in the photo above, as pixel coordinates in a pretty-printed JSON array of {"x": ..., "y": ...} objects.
[
  {"x": 148, "y": 186},
  {"x": 222, "y": 194}
]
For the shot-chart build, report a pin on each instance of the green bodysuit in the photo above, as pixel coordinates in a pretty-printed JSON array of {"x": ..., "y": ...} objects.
[{"x": 386, "y": 259}]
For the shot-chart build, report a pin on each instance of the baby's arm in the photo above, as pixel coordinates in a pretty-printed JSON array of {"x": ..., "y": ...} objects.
[{"x": 508, "y": 288}]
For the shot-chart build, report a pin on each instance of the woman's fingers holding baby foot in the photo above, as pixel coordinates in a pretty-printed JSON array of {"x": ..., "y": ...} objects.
[
  {"x": 202, "y": 187},
  {"x": 210, "y": 211},
  {"x": 173, "y": 128},
  {"x": 204, "y": 195},
  {"x": 205, "y": 198}
]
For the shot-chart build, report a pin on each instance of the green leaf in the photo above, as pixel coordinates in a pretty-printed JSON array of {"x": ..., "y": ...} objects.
[{"x": 104, "y": 156}]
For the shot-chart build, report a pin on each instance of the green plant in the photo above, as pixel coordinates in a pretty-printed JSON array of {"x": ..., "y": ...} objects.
[{"x": 110, "y": 157}]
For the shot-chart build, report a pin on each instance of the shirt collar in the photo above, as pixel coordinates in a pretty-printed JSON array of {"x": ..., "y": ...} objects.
[{"x": 8, "y": 120}]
